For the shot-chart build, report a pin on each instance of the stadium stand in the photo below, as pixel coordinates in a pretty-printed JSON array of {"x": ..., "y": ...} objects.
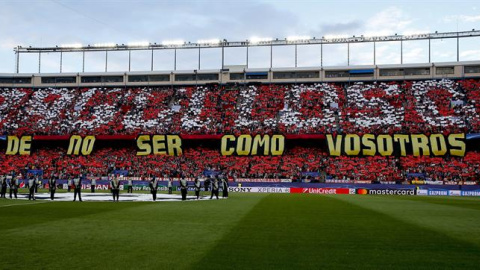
[
  {"x": 410, "y": 107},
  {"x": 291, "y": 165},
  {"x": 444, "y": 106}
]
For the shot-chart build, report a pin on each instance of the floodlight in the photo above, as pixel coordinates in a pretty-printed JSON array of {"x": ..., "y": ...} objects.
[
  {"x": 336, "y": 36},
  {"x": 74, "y": 45},
  {"x": 298, "y": 38},
  {"x": 209, "y": 41},
  {"x": 256, "y": 40},
  {"x": 138, "y": 44},
  {"x": 173, "y": 42},
  {"x": 104, "y": 45},
  {"x": 413, "y": 34}
]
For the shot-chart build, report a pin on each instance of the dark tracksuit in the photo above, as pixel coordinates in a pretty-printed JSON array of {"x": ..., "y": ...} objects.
[
  {"x": 115, "y": 189},
  {"x": 52, "y": 186},
  {"x": 214, "y": 189},
  {"x": 197, "y": 188},
  {"x": 207, "y": 184},
  {"x": 37, "y": 183},
  {"x": 92, "y": 185},
  {"x": 225, "y": 188},
  {"x": 154, "y": 188},
  {"x": 183, "y": 188},
  {"x": 13, "y": 187},
  {"x": 4, "y": 186},
  {"x": 31, "y": 189},
  {"x": 77, "y": 182},
  {"x": 170, "y": 186},
  {"x": 130, "y": 186}
]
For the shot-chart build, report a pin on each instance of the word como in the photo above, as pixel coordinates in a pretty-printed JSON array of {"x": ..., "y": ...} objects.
[
  {"x": 159, "y": 145},
  {"x": 397, "y": 144},
  {"x": 246, "y": 145}
]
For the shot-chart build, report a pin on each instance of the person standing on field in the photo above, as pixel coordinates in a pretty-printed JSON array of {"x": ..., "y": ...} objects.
[
  {"x": 13, "y": 185},
  {"x": 52, "y": 186},
  {"x": 183, "y": 188},
  {"x": 197, "y": 185},
  {"x": 170, "y": 185},
  {"x": 3, "y": 183},
  {"x": 93, "y": 185},
  {"x": 207, "y": 183},
  {"x": 154, "y": 188},
  {"x": 214, "y": 188},
  {"x": 130, "y": 186},
  {"x": 37, "y": 183},
  {"x": 225, "y": 187},
  {"x": 115, "y": 184},
  {"x": 69, "y": 184},
  {"x": 77, "y": 188},
  {"x": 31, "y": 188}
]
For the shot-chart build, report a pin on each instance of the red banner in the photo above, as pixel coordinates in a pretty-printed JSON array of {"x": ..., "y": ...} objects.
[
  {"x": 322, "y": 190},
  {"x": 260, "y": 180},
  {"x": 183, "y": 136},
  {"x": 305, "y": 136},
  {"x": 51, "y": 137}
]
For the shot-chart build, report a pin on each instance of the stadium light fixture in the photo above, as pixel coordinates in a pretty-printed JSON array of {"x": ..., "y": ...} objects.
[
  {"x": 74, "y": 45},
  {"x": 374, "y": 35},
  {"x": 297, "y": 38},
  {"x": 209, "y": 41},
  {"x": 110, "y": 45},
  {"x": 256, "y": 40},
  {"x": 173, "y": 42},
  {"x": 332, "y": 37},
  {"x": 138, "y": 44},
  {"x": 413, "y": 34}
]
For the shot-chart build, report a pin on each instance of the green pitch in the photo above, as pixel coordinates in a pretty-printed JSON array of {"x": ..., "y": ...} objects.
[{"x": 247, "y": 231}]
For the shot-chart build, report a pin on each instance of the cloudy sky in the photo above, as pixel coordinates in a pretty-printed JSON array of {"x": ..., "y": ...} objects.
[{"x": 56, "y": 22}]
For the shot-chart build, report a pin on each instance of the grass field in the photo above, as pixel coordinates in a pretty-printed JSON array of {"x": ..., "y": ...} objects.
[{"x": 247, "y": 231}]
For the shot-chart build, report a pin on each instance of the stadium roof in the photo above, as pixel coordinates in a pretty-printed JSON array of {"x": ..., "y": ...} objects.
[{"x": 252, "y": 42}]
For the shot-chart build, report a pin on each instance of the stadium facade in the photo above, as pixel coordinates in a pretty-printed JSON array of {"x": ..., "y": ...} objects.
[{"x": 244, "y": 73}]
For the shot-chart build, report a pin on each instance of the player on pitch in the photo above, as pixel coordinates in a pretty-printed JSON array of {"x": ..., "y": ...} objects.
[
  {"x": 214, "y": 188},
  {"x": 154, "y": 187},
  {"x": 93, "y": 185},
  {"x": 31, "y": 188},
  {"x": 3, "y": 182},
  {"x": 13, "y": 184},
  {"x": 224, "y": 186},
  {"x": 52, "y": 186},
  {"x": 115, "y": 184},
  {"x": 183, "y": 188},
  {"x": 197, "y": 185},
  {"x": 77, "y": 188},
  {"x": 169, "y": 184}
]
